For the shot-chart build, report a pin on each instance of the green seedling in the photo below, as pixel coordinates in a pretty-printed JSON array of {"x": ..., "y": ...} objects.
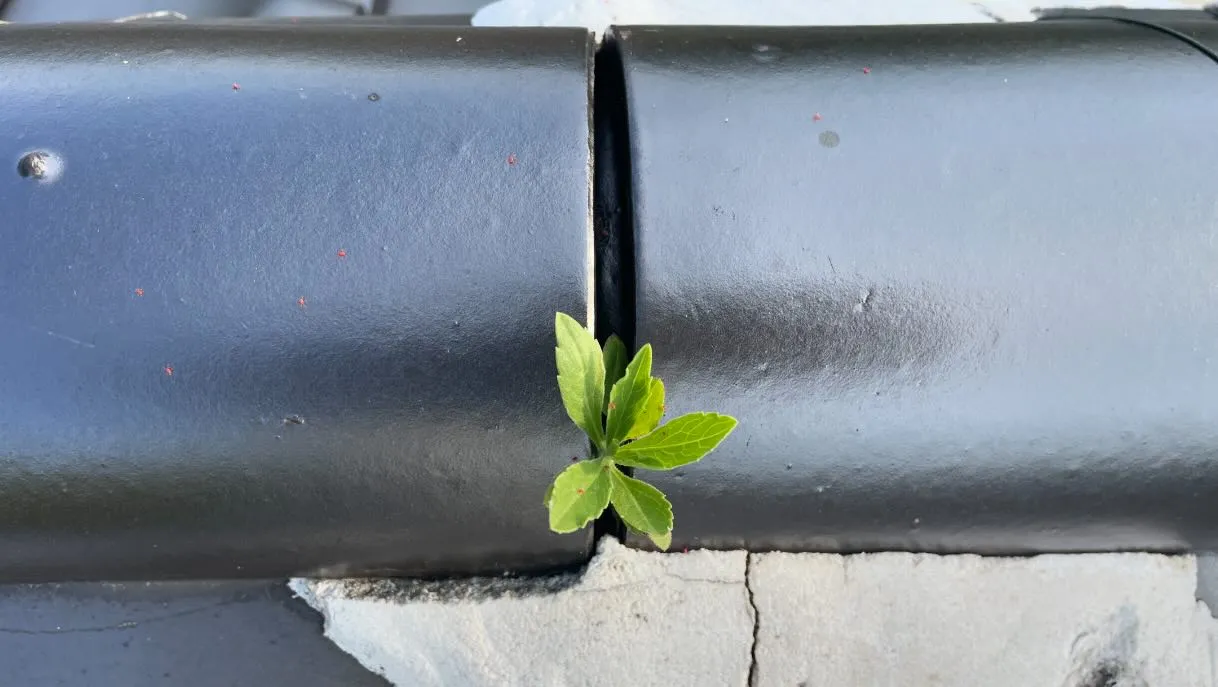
[{"x": 619, "y": 406}]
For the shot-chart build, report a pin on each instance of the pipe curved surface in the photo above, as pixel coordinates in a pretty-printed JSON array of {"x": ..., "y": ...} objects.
[
  {"x": 959, "y": 284},
  {"x": 272, "y": 301}
]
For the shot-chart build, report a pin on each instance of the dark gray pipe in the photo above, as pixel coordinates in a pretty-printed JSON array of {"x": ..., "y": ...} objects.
[
  {"x": 971, "y": 306},
  {"x": 283, "y": 300}
]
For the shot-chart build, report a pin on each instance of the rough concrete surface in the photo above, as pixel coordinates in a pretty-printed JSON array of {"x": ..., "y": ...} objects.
[
  {"x": 1102, "y": 620},
  {"x": 600, "y": 14},
  {"x": 818, "y": 620},
  {"x": 631, "y": 618}
]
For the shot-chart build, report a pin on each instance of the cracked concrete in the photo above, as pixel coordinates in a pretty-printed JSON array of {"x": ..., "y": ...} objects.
[
  {"x": 755, "y": 616},
  {"x": 789, "y": 620}
]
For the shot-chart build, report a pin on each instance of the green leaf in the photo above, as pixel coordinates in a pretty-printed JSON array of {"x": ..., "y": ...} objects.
[
  {"x": 680, "y": 442},
  {"x": 581, "y": 375},
  {"x": 653, "y": 410},
  {"x": 628, "y": 397},
  {"x": 579, "y": 495},
  {"x": 615, "y": 364},
  {"x": 642, "y": 507},
  {"x": 662, "y": 541},
  {"x": 632, "y": 460},
  {"x": 549, "y": 495}
]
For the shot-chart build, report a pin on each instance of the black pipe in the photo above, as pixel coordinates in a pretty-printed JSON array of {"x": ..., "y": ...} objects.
[
  {"x": 959, "y": 284},
  {"x": 277, "y": 300},
  {"x": 282, "y": 300}
]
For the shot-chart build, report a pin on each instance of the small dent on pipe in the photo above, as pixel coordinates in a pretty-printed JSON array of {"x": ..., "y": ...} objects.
[
  {"x": 766, "y": 54},
  {"x": 40, "y": 165}
]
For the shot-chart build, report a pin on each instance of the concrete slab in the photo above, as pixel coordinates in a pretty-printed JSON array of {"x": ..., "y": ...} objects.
[
  {"x": 1104, "y": 620},
  {"x": 600, "y": 14},
  {"x": 631, "y": 618},
  {"x": 801, "y": 620}
]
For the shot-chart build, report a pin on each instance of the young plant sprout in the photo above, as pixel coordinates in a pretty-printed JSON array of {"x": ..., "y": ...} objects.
[{"x": 619, "y": 406}]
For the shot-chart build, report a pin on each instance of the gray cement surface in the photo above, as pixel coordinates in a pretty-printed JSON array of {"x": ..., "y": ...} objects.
[
  {"x": 631, "y": 618},
  {"x": 790, "y": 620},
  {"x": 1104, "y": 620}
]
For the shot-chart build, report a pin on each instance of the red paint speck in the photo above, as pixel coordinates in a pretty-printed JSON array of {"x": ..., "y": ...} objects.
[
  {"x": 685, "y": 550},
  {"x": 342, "y": 253},
  {"x": 236, "y": 86},
  {"x": 300, "y": 301},
  {"x": 866, "y": 70},
  {"x": 139, "y": 292},
  {"x": 816, "y": 117},
  {"x": 169, "y": 370},
  {"x": 512, "y": 159}
]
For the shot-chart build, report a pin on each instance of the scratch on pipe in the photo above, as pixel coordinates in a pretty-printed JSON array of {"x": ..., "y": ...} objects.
[{"x": 69, "y": 339}]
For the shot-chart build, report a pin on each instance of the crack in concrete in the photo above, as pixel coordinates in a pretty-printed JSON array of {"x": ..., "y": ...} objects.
[
  {"x": 657, "y": 597},
  {"x": 751, "y": 680}
]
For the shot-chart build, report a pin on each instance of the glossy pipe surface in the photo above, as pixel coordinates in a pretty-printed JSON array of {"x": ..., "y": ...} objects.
[
  {"x": 959, "y": 284},
  {"x": 280, "y": 301}
]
